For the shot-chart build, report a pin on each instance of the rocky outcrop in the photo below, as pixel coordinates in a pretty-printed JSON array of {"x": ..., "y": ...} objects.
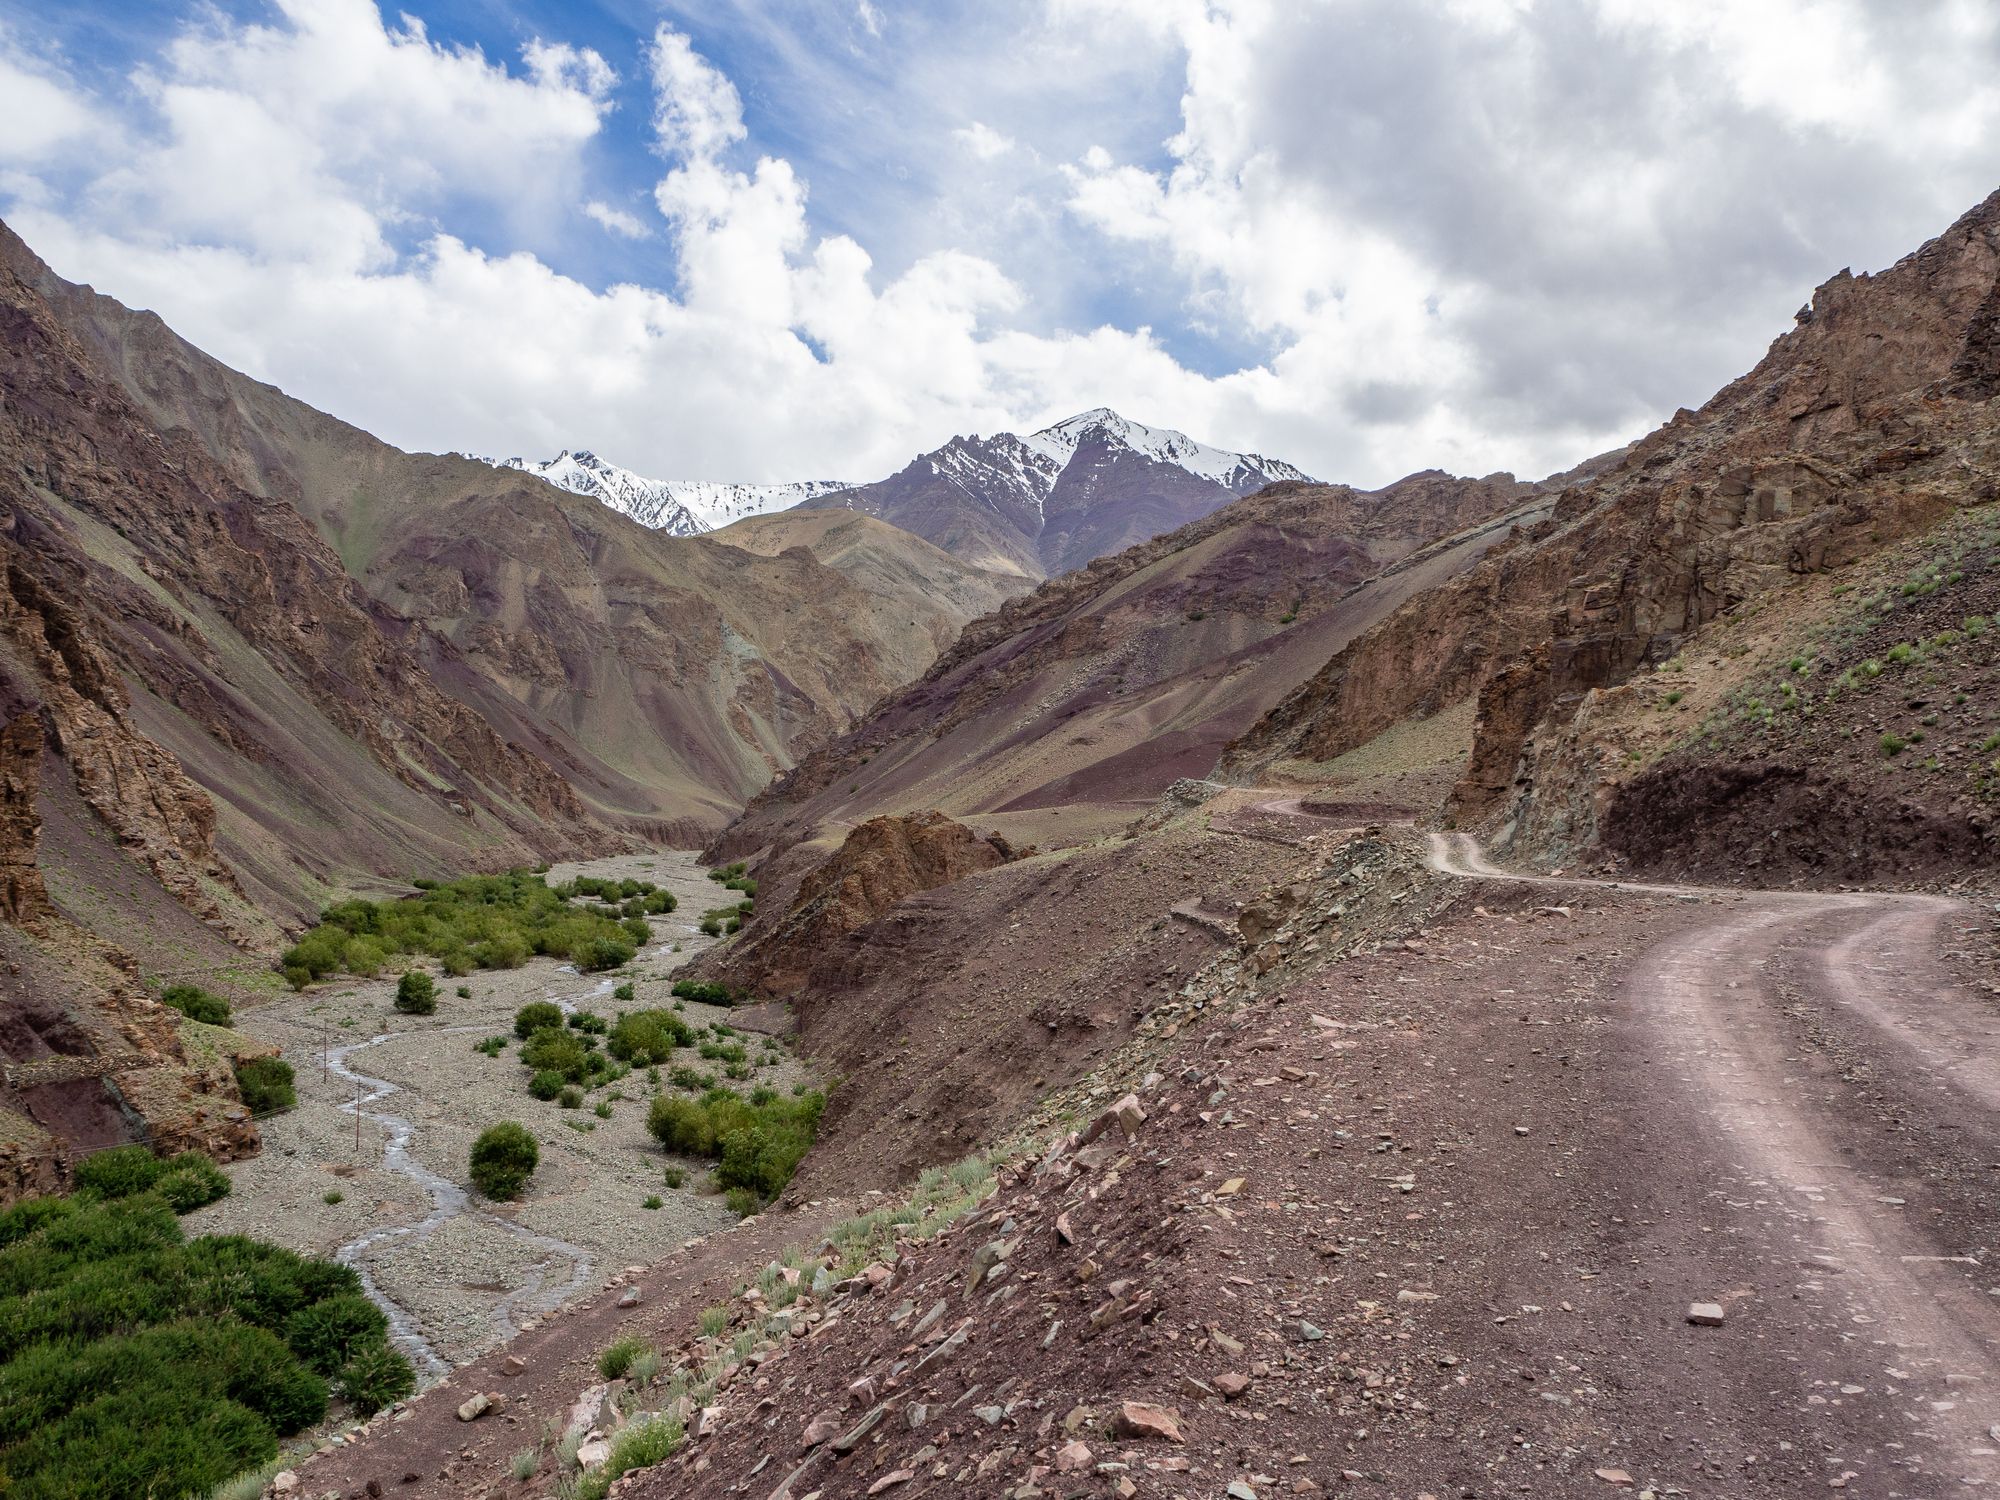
[
  {"x": 879, "y": 864},
  {"x": 23, "y": 896},
  {"x": 1862, "y": 425}
]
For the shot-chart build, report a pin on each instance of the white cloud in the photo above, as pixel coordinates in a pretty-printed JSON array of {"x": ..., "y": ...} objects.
[
  {"x": 617, "y": 220},
  {"x": 983, "y": 141},
  {"x": 697, "y": 112},
  {"x": 1476, "y": 233},
  {"x": 869, "y": 17}
]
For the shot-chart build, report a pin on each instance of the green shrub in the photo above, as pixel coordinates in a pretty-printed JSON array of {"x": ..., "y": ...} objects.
[
  {"x": 604, "y": 1109},
  {"x": 556, "y": 1052},
  {"x": 119, "y": 1172},
  {"x": 537, "y": 1015},
  {"x": 329, "y": 1333},
  {"x": 692, "y": 1079},
  {"x": 589, "y": 1023},
  {"x": 1894, "y": 744},
  {"x": 503, "y": 1158},
  {"x": 742, "y": 1202},
  {"x": 647, "y": 1036},
  {"x": 570, "y": 1098},
  {"x": 134, "y": 1362},
  {"x": 492, "y": 1046},
  {"x": 376, "y": 1377},
  {"x": 675, "y": 1177},
  {"x": 625, "y": 992},
  {"x": 197, "y": 1004},
  {"x": 416, "y": 993},
  {"x": 605, "y": 953},
  {"x": 191, "y": 1181},
  {"x": 651, "y": 1441},
  {"x": 711, "y": 926},
  {"x": 705, "y": 992},
  {"x": 483, "y": 921},
  {"x": 756, "y": 1142},
  {"x": 266, "y": 1085},
  {"x": 653, "y": 1200},
  {"x": 617, "y": 1358},
  {"x": 546, "y": 1084},
  {"x": 332, "y": 1196}
]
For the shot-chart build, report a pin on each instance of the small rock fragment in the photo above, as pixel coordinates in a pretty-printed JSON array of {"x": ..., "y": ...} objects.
[
  {"x": 1142, "y": 1419},
  {"x": 1705, "y": 1314},
  {"x": 475, "y": 1407}
]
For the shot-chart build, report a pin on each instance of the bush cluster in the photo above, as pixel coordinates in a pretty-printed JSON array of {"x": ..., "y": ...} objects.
[
  {"x": 197, "y": 1004},
  {"x": 647, "y": 1037},
  {"x": 266, "y": 1085},
  {"x": 136, "y": 1362},
  {"x": 757, "y": 1142},
  {"x": 705, "y": 991},
  {"x": 480, "y": 922},
  {"x": 503, "y": 1158}
]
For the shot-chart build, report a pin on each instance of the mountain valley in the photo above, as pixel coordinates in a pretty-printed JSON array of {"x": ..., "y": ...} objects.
[{"x": 1096, "y": 966}]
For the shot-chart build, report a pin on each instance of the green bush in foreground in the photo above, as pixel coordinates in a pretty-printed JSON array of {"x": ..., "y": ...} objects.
[
  {"x": 757, "y": 1142},
  {"x": 135, "y": 1362},
  {"x": 197, "y": 1004},
  {"x": 266, "y": 1085},
  {"x": 503, "y": 1158}
]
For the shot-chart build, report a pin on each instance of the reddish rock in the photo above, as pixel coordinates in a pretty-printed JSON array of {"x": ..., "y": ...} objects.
[{"x": 1142, "y": 1419}]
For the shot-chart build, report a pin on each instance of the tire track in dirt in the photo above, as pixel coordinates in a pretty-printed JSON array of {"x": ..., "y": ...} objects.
[{"x": 1706, "y": 998}]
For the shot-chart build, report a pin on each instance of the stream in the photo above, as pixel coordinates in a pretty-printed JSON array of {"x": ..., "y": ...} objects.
[
  {"x": 448, "y": 1201},
  {"x": 546, "y": 1287}
]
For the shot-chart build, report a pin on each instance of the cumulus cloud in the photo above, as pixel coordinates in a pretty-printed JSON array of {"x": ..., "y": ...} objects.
[{"x": 1368, "y": 236}]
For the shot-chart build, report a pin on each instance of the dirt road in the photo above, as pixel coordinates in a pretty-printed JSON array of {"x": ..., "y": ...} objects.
[{"x": 1719, "y": 1003}]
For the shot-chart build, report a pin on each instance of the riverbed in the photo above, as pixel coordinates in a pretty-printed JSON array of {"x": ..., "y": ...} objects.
[{"x": 455, "y": 1272}]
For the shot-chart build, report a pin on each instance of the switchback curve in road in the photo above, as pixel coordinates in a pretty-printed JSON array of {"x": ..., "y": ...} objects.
[{"x": 1707, "y": 997}]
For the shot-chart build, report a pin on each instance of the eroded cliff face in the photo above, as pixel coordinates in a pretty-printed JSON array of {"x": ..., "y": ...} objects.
[
  {"x": 1868, "y": 422},
  {"x": 877, "y": 866}
]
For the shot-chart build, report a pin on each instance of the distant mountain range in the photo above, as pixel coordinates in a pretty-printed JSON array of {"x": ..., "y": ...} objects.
[
  {"x": 1030, "y": 506},
  {"x": 679, "y": 507}
]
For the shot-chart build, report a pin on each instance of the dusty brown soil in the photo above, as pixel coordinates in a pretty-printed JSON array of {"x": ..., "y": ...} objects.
[{"x": 1490, "y": 1164}]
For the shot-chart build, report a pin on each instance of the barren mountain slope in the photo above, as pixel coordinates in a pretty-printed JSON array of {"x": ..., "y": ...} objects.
[
  {"x": 1870, "y": 421},
  {"x": 903, "y": 571},
  {"x": 1105, "y": 685},
  {"x": 665, "y": 678}
]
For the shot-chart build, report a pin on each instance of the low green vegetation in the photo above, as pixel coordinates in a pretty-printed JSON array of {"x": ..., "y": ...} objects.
[
  {"x": 266, "y": 1085},
  {"x": 197, "y": 1004},
  {"x": 647, "y": 1037},
  {"x": 482, "y": 922},
  {"x": 705, "y": 992},
  {"x": 416, "y": 994},
  {"x": 617, "y": 1358},
  {"x": 756, "y": 1141},
  {"x": 503, "y": 1159},
  {"x": 134, "y": 1361},
  {"x": 537, "y": 1015}
]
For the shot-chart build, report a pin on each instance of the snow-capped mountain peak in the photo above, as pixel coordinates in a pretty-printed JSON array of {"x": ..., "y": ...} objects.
[{"x": 680, "y": 507}]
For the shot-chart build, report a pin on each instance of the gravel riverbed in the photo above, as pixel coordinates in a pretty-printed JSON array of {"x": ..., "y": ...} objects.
[{"x": 461, "y": 1274}]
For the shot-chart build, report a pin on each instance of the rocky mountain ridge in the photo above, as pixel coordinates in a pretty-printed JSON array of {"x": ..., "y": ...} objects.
[
  {"x": 1870, "y": 421},
  {"x": 1053, "y": 500},
  {"x": 679, "y": 507}
]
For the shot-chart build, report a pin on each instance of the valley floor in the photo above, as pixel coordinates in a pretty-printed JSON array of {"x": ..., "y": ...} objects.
[
  {"x": 457, "y": 1272},
  {"x": 1430, "y": 1219}
]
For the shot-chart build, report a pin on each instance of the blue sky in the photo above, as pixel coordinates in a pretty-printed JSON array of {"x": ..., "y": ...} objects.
[{"x": 1368, "y": 236}]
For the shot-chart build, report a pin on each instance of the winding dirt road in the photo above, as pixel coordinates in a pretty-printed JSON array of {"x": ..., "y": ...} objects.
[{"x": 1719, "y": 1003}]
